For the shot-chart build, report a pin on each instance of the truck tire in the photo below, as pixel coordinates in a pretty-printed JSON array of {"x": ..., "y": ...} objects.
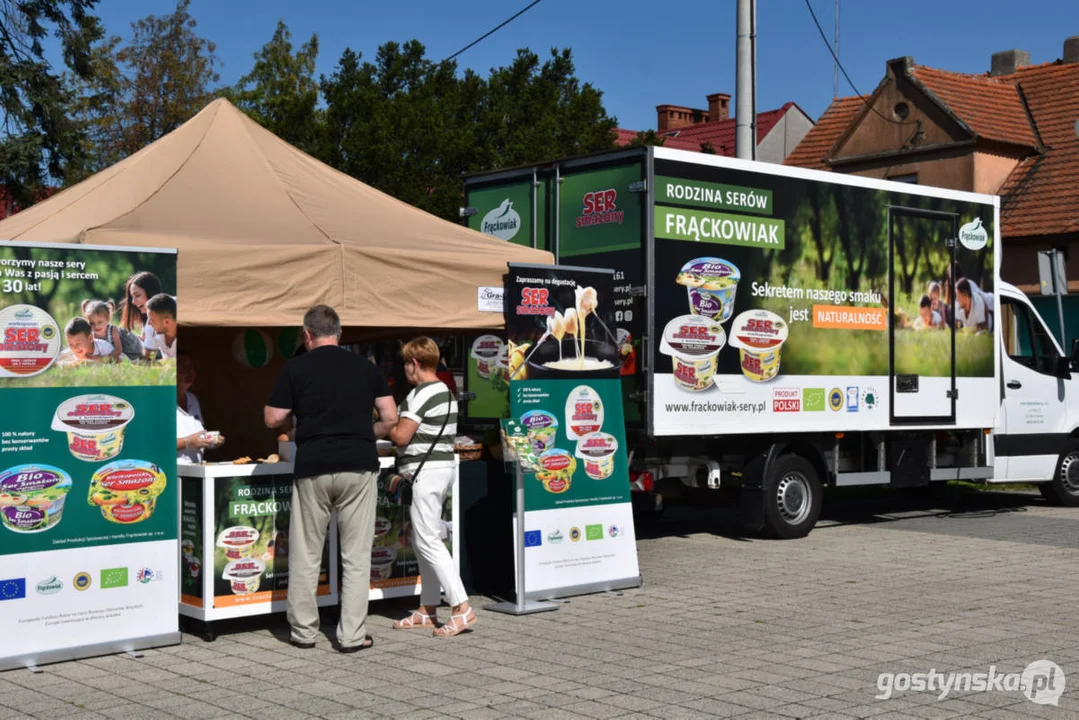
[
  {"x": 1063, "y": 489},
  {"x": 792, "y": 498}
]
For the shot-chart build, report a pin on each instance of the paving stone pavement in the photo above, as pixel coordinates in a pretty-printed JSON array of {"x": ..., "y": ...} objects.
[{"x": 724, "y": 626}]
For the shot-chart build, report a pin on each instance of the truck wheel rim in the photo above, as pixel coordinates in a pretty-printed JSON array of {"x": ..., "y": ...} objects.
[
  {"x": 1069, "y": 474},
  {"x": 793, "y": 498}
]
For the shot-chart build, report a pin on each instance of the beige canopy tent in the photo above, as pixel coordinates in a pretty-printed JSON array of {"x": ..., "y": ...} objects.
[{"x": 265, "y": 231}]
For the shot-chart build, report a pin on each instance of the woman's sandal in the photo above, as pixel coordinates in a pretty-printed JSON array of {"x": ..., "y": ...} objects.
[
  {"x": 455, "y": 626},
  {"x": 416, "y": 620}
]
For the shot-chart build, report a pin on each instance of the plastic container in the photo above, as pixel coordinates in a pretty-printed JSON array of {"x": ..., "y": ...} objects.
[
  {"x": 382, "y": 559},
  {"x": 32, "y": 497},
  {"x": 127, "y": 490},
  {"x": 94, "y": 425},
  {"x": 486, "y": 350},
  {"x": 29, "y": 341},
  {"x": 382, "y": 528},
  {"x": 711, "y": 284},
  {"x": 597, "y": 451},
  {"x": 584, "y": 412},
  {"x": 556, "y": 468},
  {"x": 238, "y": 541},
  {"x": 244, "y": 576},
  {"x": 759, "y": 336},
  {"x": 693, "y": 343},
  {"x": 542, "y": 429}
]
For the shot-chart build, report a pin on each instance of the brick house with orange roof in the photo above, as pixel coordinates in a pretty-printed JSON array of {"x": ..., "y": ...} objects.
[
  {"x": 779, "y": 131},
  {"x": 1013, "y": 132}
]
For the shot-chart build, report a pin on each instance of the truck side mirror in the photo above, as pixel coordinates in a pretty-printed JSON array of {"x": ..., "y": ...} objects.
[
  {"x": 1064, "y": 367},
  {"x": 1074, "y": 360}
]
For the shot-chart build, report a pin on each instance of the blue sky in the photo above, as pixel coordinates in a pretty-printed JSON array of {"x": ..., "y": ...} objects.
[{"x": 643, "y": 54}]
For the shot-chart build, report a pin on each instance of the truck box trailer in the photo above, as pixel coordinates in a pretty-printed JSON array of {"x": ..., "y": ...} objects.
[{"x": 785, "y": 329}]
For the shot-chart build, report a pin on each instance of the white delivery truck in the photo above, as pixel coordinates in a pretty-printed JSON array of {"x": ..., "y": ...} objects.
[{"x": 784, "y": 329}]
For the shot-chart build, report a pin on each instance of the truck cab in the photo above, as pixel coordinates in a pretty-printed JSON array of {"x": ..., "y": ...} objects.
[{"x": 1035, "y": 439}]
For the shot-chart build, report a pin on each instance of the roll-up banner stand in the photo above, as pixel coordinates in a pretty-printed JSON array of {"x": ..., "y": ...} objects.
[
  {"x": 88, "y": 488},
  {"x": 567, "y": 430}
]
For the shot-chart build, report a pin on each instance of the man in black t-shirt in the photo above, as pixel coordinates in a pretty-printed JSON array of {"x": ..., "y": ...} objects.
[{"x": 332, "y": 393}]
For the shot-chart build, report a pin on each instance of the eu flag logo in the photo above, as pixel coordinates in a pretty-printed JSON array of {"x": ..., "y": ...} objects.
[
  {"x": 533, "y": 538},
  {"x": 12, "y": 589}
]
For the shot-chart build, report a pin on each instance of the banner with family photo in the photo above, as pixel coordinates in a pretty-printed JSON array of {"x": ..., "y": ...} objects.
[
  {"x": 567, "y": 430},
  {"x": 88, "y": 491},
  {"x": 784, "y": 301}
]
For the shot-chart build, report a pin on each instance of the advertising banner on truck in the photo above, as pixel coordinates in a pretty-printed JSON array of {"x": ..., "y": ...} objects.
[
  {"x": 88, "y": 490},
  {"x": 783, "y": 301},
  {"x": 567, "y": 430},
  {"x": 600, "y": 225}
]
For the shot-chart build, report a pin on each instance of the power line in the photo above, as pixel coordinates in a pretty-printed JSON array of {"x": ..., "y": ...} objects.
[
  {"x": 844, "y": 71},
  {"x": 491, "y": 32}
]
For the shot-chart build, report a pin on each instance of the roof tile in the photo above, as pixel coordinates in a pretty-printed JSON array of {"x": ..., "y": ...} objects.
[
  {"x": 811, "y": 152},
  {"x": 719, "y": 134}
]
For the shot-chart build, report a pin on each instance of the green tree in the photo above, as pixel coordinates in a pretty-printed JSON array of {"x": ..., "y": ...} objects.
[
  {"x": 281, "y": 92},
  {"x": 40, "y": 139},
  {"x": 646, "y": 138},
  {"x": 536, "y": 112},
  {"x": 145, "y": 88},
  {"x": 411, "y": 127}
]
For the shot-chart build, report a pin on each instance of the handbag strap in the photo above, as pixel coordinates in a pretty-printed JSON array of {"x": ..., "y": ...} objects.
[{"x": 445, "y": 421}]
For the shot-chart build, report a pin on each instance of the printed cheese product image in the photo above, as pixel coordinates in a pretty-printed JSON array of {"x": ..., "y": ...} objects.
[
  {"x": 29, "y": 341},
  {"x": 32, "y": 497},
  {"x": 127, "y": 490},
  {"x": 94, "y": 425},
  {"x": 693, "y": 342},
  {"x": 759, "y": 336},
  {"x": 711, "y": 284}
]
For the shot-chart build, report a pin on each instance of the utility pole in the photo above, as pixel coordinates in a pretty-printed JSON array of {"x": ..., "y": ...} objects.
[
  {"x": 835, "y": 68},
  {"x": 745, "y": 124}
]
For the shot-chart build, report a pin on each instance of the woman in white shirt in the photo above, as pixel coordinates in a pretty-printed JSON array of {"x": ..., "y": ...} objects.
[{"x": 191, "y": 436}]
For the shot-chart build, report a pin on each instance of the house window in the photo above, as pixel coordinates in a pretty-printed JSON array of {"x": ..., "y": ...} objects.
[
  {"x": 911, "y": 178},
  {"x": 901, "y": 111}
]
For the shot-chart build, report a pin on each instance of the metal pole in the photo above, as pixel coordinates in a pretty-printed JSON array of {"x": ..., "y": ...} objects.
[
  {"x": 535, "y": 210},
  {"x": 744, "y": 141},
  {"x": 835, "y": 68}
]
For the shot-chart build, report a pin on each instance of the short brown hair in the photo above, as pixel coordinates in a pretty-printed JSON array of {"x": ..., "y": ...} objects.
[
  {"x": 424, "y": 350},
  {"x": 322, "y": 321}
]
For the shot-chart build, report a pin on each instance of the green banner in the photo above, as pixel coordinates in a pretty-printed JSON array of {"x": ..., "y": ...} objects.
[
  {"x": 565, "y": 467},
  {"x": 486, "y": 375},
  {"x": 597, "y": 212},
  {"x": 504, "y": 212},
  {"x": 713, "y": 196},
  {"x": 719, "y": 228}
]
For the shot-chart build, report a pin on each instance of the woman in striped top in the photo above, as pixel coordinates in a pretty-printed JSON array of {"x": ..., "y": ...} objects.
[{"x": 427, "y": 408}]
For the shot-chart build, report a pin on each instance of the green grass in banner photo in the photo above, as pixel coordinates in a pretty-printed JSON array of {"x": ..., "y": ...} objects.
[
  {"x": 27, "y": 438},
  {"x": 551, "y": 396}
]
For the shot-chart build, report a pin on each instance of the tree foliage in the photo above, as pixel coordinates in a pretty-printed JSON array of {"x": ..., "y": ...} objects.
[
  {"x": 281, "y": 92},
  {"x": 410, "y": 126},
  {"x": 146, "y": 87},
  {"x": 40, "y": 137}
]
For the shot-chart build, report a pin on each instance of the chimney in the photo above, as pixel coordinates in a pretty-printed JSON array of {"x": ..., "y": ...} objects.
[
  {"x": 1008, "y": 61},
  {"x": 1071, "y": 49},
  {"x": 719, "y": 106},
  {"x": 672, "y": 117}
]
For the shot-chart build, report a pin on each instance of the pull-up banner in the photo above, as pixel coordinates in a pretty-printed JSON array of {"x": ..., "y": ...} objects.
[
  {"x": 567, "y": 429},
  {"x": 88, "y": 488}
]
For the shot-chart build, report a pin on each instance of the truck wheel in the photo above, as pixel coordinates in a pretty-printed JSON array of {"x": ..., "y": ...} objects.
[
  {"x": 1063, "y": 489},
  {"x": 792, "y": 498}
]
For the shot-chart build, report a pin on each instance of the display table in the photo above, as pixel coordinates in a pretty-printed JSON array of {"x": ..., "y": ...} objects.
[{"x": 234, "y": 542}]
